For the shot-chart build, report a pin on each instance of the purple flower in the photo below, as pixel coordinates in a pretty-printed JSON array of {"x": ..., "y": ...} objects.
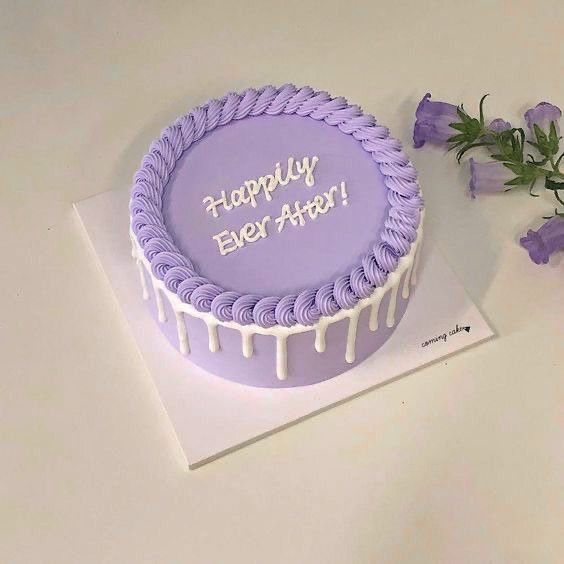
[
  {"x": 499, "y": 124},
  {"x": 488, "y": 177},
  {"x": 432, "y": 121},
  {"x": 547, "y": 240},
  {"x": 542, "y": 114}
]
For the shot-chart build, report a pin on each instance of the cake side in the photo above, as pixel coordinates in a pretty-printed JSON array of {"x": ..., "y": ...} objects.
[{"x": 398, "y": 286}]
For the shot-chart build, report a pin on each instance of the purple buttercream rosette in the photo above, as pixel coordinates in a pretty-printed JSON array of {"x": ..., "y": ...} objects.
[{"x": 548, "y": 239}]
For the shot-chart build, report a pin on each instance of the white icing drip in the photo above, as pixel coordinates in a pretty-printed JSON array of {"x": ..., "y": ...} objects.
[
  {"x": 391, "y": 317},
  {"x": 142, "y": 279},
  {"x": 415, "y": 265},
  {"x": 350, "y": 353},
  {"x": 408, "y": 278},
  {"x": 320, "y": 336},
  {"x": 133, "y": 249},
  {"x": 247, "y": 343},
  {"x": 213, "y": 336},
  {"x": 159, "y": 301},
  {"x": 405, "y": 285},
  {"x": 406, "y": 263},
  {"x": 183, "y": 341},
  {"x": 374, "y": 310},
  {"x": 281, "y": 357}
]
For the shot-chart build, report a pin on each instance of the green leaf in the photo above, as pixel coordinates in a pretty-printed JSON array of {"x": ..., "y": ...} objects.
[
  {"x": 458, "y": 126},
  {"x": 514, "y": 167},
  {"x": 456, "y": 138},
  {"x": 532, "y": 185},
  {"x": 482, "y": 109},
  {"x": 547, "y": 145},
  {"x": 464, "y": 150},
  {"x": 462, "y": 114},
  {"x": 540, "y": 134},
  {"x": 553, "y": 134},
  {"x": 553, "y": 139},
  {"x": 518, "y": 181},
  {"x": 550, "y": 184},
  {"x": 533, "y": 161}
]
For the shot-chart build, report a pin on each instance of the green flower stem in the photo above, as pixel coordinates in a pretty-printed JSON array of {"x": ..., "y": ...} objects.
[{"x": 508, "y": 149}]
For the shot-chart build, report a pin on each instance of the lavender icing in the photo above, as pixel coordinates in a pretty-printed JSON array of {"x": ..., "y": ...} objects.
[{"x": 178, "y": 273}]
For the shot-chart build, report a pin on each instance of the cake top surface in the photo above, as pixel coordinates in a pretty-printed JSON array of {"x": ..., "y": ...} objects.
[{"x": 275, "y": 206}]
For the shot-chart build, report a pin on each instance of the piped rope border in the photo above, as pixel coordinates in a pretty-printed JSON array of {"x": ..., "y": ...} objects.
[{"x": 306, "y": 308}]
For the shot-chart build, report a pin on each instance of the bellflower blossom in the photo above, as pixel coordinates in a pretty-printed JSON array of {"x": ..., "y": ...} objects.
[
  {"x": 432, "y": 122},
  {"x": 499, "y": 125},
  {"x": 548, "y": 239},
  {"x": 516, "y": 160},
  {"x": 542, "y": 114},
  {"x": 488, "y": 177}
]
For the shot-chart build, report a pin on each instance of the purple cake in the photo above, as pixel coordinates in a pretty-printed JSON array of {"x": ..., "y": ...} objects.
[{"x": 276, "y": 233}]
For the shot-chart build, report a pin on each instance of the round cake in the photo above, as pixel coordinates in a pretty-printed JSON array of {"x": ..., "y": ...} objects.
[{"x": 276, "y": 233}]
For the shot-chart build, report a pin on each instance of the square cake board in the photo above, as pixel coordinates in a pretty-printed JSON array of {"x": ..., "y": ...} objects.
[{"x": 212, "y": 416}]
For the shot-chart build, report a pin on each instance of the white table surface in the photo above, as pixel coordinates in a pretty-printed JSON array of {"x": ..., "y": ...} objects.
[{"x": 462, "y": 464}]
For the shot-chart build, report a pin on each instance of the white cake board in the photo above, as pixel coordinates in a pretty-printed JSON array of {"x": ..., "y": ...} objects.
[{"x": 212, "y": 416}]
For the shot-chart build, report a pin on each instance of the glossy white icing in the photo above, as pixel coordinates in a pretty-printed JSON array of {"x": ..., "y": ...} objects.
[
  {"x": 320, "y": 331},
  {"x": 213, "y": 336},
  {"x": 141, "y": 270},
  {"x": 183, "y": 342},
  {"x": 350, "y": 353},
  {"x": 281, "y": 357},
  {"x": 247, "y": 193},
  {"x": 344, "y": 195},
  {"x": 391, "y": 316},
  {"x": 415, "y": 267},
  {"x": 229, "y": 241},
  {"x": 247, "y": 343},
  {"x": 374, "y": 309},
  {"x": 159, "y": 301}
]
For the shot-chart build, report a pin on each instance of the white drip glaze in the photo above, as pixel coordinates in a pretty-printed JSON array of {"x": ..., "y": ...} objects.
[
  {"x": 247, "y": 343},
  {"x": 350, "y": 353},
  {"x": 408, "y": 277},
  {"x": 375, "y": 309},
  {"x": 415, "y": 265},
  {"x": 320, "y": 336},
  {"x": 281, "y": 357},
  {"x": 136, "y": 254},
  {"x": 159, "y": 301},
  {"x": 213, "y": 337},
  {"x": 144, "y": 288},
  {"x": 407, "y": 266},
  {"x": 391, "y": 317},
  {"x": 183, "y": 341}
]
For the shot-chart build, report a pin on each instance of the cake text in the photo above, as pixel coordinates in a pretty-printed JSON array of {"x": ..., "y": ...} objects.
[
  {"x": 247, "y": 193},
  {"x": 229, "y": 241},
  {"x": 296, "y": 214}
]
